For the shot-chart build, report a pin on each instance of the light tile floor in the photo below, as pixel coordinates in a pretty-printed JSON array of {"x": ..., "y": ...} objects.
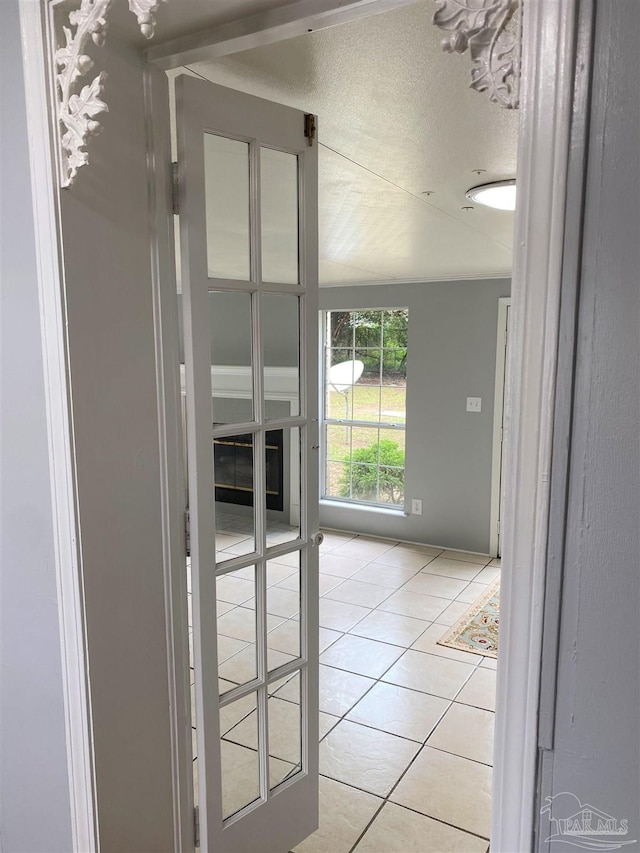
[
  {"x": 406, "y": 725},
  {"x": 419, "y": 739}
]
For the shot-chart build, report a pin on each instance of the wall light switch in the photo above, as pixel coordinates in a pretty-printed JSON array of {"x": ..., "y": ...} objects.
[
  {"x": 474, "y": 404},
  {"x": 416, "y": 507}
]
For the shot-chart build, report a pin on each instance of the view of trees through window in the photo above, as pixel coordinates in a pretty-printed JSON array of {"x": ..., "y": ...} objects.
[{"x": 365, "y": 389}]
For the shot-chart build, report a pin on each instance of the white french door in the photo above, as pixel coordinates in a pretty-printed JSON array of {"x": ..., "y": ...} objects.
[{"x": 248, "y": 232}]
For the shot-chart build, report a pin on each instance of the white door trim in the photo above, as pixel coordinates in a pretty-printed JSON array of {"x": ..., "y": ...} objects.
[
  {"x": 66, "y": 532},
  {"x": 547, "y": 84},
  {"x": 172, "y": 461},
  {"x": 498, "y": 414}
]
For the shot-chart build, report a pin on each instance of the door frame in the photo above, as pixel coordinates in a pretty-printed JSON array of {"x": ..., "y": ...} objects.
[
  {"x": 172, "y": 449},
  {"x": 549, "y": 43},
  {"x": 59, "y": 424},
  {"x": 497, "y": 454}
]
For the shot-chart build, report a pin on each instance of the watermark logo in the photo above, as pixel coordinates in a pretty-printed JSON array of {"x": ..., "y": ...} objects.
[{"x": 581, "y": 825}]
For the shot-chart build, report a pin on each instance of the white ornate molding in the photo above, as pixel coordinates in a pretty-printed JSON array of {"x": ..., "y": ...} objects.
[
  {"x": 77, "y": 110},
  {"x": 490, "y": 30},
  {"x": 145, "y": 12}
]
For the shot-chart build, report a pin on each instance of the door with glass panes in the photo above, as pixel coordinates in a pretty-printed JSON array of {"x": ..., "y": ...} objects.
[{"x": 248, "y": 233}]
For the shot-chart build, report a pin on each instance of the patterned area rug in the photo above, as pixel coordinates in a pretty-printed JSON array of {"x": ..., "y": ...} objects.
[{"x": 477, "y": 630}]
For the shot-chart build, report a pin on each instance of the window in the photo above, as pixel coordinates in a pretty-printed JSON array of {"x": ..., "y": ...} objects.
[{"x": 364, "y": 415}]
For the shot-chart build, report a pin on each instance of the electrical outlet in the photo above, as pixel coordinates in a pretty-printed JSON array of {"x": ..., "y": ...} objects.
[
  {"x": 474, "y": 404},
  {"x": 416, "y": 507}
]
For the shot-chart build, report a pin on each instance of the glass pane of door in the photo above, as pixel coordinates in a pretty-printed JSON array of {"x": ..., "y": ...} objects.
[
  {"x": 281, "y": 336},
  {"x": 283, "y": 466},
  {"x": 226, "y": 177},
  {"x": 230, "y": 316},
  {"x": 234, "y": 490},
  {"x": 240, "y": 758},
  {"x": 285, "y": 728},
  {"x": 279, "y": 216},
  {"x": 237, "y": 627}
]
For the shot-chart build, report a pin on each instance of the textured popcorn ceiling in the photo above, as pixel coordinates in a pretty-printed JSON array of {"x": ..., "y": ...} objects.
[{"x": 395, "y": 118}]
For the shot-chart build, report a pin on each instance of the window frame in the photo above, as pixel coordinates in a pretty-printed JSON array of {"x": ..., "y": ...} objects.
[{"x": 325, "y": 422}]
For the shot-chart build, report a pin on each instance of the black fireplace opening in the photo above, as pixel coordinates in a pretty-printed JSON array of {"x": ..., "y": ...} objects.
[{"x": 233, "y": 468}]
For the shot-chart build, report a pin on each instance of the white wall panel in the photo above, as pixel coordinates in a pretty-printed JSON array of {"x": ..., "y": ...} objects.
[
  {"x": 105, "y": 230},
  {"x": 35, "y": 812}
]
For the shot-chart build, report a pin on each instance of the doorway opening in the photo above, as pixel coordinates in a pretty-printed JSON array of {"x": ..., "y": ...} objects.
[
  {"x": 548, "y": 43},
  {"x": 396, "y": 576}
]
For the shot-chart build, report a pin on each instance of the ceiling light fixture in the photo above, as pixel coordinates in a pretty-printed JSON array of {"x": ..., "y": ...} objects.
[{"x": 500, "y": 195}]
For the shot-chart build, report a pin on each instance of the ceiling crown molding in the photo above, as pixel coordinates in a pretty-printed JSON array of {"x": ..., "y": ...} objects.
[
  {"x": 490, "y": 30},
  {"x": 77, "y": 110}
]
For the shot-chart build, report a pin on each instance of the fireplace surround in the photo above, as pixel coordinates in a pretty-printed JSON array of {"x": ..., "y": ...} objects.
[{"x": 233, "y": 469}]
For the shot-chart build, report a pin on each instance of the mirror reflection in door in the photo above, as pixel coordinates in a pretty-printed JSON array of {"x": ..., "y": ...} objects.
[
  {"x": 281, "y": 335},
  {"x": 234, "y": 484},
  {"x": 227, "y": 207},
  {"x": 279, "y": 216}
]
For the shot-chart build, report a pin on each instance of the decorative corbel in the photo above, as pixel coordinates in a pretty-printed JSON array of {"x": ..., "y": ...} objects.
[
  {"x": 490, "y": 30},
  {"x": 77, "y": 110}
]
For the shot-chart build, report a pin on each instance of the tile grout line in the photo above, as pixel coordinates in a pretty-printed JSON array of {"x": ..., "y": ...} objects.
[
  {"x": 376, "y": 681},
  {"x": 387, "y": 801},
  {"x": 421, "y": 570},
  {"x": 387, "y": 798},
  {"x": 344, "y": 718}
]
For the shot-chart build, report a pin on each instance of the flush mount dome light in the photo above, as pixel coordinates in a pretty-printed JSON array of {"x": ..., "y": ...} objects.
[{"x": 500, "y": 194}]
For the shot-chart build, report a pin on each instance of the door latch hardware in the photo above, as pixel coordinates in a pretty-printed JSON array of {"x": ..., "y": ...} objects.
[{"x": 310, "y": 127}]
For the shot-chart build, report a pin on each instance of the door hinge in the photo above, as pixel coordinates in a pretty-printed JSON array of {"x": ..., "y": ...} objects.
[
  {"x": 310, "y": 127},
  {"x": 498, "y": 526},
  {"x": 175, "y": 189},
  {"x": 187, "y": 532},
  {"x": 196, "y": 826}
]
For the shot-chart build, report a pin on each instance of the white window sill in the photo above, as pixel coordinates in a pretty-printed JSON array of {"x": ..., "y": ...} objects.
[{"x": 347, "y": 505}]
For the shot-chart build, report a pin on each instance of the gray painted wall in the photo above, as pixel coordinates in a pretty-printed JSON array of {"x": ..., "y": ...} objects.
[
  {"x": 34, "y": 793},
  {"x": 597, "y": 747},
  {"x": 105, "y": 230},
  {"x": 452, "y": 355}
]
